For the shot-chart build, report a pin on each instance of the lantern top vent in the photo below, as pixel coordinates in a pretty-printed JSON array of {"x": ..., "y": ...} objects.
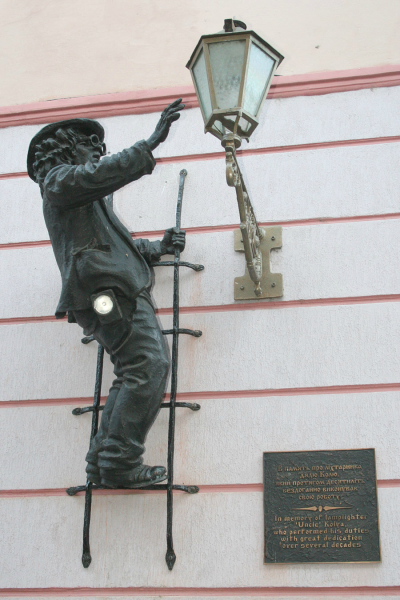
[{"x": 231, "y": 25}]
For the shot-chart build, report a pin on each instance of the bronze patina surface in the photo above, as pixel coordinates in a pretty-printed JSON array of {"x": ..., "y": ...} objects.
[
  {"x": 106, "y": 280},
  {"x": 320, "y": 506}
]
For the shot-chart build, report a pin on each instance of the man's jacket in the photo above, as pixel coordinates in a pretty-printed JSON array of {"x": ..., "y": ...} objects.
[{"x": 94, "y": 251}]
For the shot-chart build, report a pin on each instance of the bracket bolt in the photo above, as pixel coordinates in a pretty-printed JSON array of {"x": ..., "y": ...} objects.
[
  {"x": 242, "y": 287},
  {"x": 273, "y": 238},
  {"x": 273, "y": 284}
]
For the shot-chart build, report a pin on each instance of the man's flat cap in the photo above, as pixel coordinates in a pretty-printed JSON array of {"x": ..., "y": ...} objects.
[{"x": 85, "y": 126}]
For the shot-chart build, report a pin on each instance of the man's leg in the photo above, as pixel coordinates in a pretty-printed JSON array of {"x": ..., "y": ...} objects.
[
  {"x": 141, "y": 362},
  {"x": 138, "y": 351},
  {"x": 92, "y": 456},
  {"x": 89, "y": 322}
]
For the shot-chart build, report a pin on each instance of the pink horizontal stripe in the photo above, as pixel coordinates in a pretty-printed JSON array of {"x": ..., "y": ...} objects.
[
  {"x": 215, "y": 395},
  {"x": 287, "y": 223},
  {"x": 280, "y": 149},
  {"x": 266, "y": 305},
  {"x": 217, "y": 228},
  {"x": 272, "y": 304},
  {"x": 299, "y": 391},
  {"x": 13, "y": 175},
  {"x": 330, "y": 82},
  {"x": 257, "y": 151},
  {"x": 203, "y": 489},
  {"x": 23, "y": 320},
  {"x": 35, "y": 403},
  {"x": 49, "y": 492},
  {"x": 16, "y": 245},
  {"x": 387, "y": 590},
  {"x": 93, "y": 107},
  {"x": 388, "y": 483},
  {"x": 148, "y": 101}
]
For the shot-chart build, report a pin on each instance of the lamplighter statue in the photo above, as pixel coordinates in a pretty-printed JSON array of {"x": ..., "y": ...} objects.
[{"x": 106, "y": 280}]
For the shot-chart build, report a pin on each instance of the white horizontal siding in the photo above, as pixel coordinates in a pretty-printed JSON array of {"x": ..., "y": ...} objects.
[
  {"x": 208, "y": 442},
  {"x": 335, "y": 182},
  {"x": 327, "y": 261},
  {"x": 284, "y": 121},
  {"x": 218, "y": 539},
  {"x": 218, "y": 536},
  {"x": 294, "y": 347},
  {"x": 21, "y": 215}
]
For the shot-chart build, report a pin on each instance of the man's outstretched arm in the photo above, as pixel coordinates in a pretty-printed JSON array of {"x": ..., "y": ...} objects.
[{"x": 75, "y": 185}]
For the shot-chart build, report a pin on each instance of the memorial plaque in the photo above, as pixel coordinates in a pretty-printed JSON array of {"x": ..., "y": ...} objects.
[{"x": 320, "y": 507}]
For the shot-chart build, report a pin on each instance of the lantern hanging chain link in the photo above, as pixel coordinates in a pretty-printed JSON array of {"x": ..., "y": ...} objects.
[{"x": 252, "y": 234}]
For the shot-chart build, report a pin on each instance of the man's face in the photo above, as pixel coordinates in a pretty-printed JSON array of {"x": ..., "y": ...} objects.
[{"x": 88, "y": 149}]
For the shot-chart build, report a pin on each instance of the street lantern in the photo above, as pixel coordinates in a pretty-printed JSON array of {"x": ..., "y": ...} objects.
[{"x": 232, "y": 71}]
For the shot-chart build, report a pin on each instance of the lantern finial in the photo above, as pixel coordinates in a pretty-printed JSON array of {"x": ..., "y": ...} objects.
[{"x": 232, "y": 24}]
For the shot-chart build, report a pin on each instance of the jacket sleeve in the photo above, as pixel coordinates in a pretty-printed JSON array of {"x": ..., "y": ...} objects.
[
  {"x": 151, "y": 251},
  {"x": 74, "y": 185}
]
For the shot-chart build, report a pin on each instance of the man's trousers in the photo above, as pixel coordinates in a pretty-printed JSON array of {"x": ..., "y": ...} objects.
[{"x": 139, "y": 353}]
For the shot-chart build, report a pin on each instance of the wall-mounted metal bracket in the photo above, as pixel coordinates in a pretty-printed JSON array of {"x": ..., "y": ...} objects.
[
  {"x": 271, "y": 283},
  {"x": 256, "y": 242}
]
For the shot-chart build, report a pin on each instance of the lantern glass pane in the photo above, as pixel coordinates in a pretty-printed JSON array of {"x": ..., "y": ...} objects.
[
  {"x": 226, "y": 59},
  {"x": 219, "y": 129},
  {"x": 203, "y": 92},
  {"x": 258, "y": 75},
  {"x": 244, "y": 125}
]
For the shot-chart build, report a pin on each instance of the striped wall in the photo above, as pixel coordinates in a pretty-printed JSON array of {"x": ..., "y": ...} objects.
[{"x": 317, "y": 369}]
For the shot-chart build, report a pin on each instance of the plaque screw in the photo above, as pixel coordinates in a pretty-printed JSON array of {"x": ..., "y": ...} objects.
[
  {"x": 242, "y": 287},
  {"x": 273, "y": 238},
  {"x": 273, "y": 284}
]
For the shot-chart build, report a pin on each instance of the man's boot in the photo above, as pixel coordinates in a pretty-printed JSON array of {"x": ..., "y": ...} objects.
[{"x": 139, "y": 477}]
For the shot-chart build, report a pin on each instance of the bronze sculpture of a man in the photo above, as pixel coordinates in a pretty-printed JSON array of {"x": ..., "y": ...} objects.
[{"x": 106, "y": 280}]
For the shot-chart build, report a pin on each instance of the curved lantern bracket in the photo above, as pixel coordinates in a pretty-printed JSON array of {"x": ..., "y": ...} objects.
[{"x": 256, "y": 242}]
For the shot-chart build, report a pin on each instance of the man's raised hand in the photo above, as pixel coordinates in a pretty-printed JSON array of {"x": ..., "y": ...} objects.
[{"x": 169, "y": 114}]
